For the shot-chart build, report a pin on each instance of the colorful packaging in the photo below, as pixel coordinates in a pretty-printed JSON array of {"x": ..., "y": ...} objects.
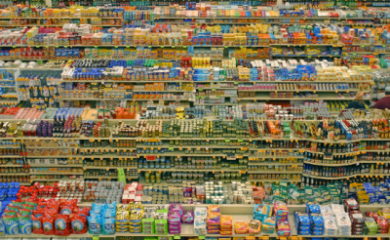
[
  {"x": 78, "y": 223},
  {"x": 37, "y": 224},
  {"x": 11, "y": 224},
  {"x": 188, "y": 217},
  {"x": 25, "y": 224},
  {"x": 94, "y": 224},
  {"x": 47, "y": 223},
  {"x": 254, "y": 226},
  {"x": 61, "y": 225},
  {"x": 241, "y": 227}
]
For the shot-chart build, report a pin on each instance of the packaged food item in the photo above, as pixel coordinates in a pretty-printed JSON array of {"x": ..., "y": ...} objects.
[
  {"x": 371, "y": 228},
  {"x": 25, "y": 224},
  {"x": 241, "y": 227},
  {"x": 254, "y": 226},
  {"x": 226, "y": 225},
  {"x": 61, "y": 225},
  {"x": 11, "y": 224},
  {"x": 48, "y": 224},
  {"x": 188, "y": 217},
  {"x": 269, "y": 225},
  {"x": 283, "y": 228},
  {"x": 78, "y": 223},
  {"x": 94, "y": 224},
  {"x": 261, "y": 211},
  {"x": 37, "y": 224}
]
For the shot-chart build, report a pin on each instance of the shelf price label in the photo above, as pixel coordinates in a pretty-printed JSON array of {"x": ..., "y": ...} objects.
[
  {"x": 95, "y": 238},
  {"x": 176, "y": 236},
  {"x": 202, "y": 237}
]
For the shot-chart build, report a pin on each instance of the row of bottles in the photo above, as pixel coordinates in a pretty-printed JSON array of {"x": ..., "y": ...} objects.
[{"x": 365, "y": 168}]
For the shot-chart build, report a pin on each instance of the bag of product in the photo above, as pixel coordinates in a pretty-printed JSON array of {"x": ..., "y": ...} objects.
[
  {"x": 25, "y": 224},
  {"x": 11, "y": 224},
  {"x": 78, "y": 223},
  {"x": 47, "y": 223},
  {"x": 37, "y": 224},
  {"x": 61, "y": 225},
  {"x": 188, "y": 217}
]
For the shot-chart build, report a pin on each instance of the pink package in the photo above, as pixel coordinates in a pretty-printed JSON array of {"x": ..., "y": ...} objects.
[
  {"x": 213, "y": 208},
  {"x": 177, "y": 208}
]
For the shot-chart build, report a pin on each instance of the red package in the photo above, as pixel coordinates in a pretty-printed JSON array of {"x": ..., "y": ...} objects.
[
  {"x": 38, "y": 213},
  {"x": 78, "y": 223},
  {"x": 62, "y": 225},
  {"x": 67, "y": 209},
  {"x": 37, "y": 224},
  {"x": 47, "y": 223},
  {"x": 382, "y": 222}
]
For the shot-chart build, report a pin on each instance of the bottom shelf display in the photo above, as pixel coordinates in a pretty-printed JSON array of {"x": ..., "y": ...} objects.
[{"x": 42, "y": 211}]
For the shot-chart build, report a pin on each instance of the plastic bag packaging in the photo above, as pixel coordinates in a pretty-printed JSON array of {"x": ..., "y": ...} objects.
[
  {"x": 94, "y": 224},
  {"x": 108, "y": 226},
  {"x": 187, "y": 217},
  {"x": 78, "y": 223},
  {"x": 37, "y": 224},
  {"x": 240, "y": 227},
  {"x": 48, "y": 224},
  {"x": 254, "y": 226},
  {"x": 11, "y": 224},
  {"x": 62, "y": 225},
  {"x": 25, "y": 224}
]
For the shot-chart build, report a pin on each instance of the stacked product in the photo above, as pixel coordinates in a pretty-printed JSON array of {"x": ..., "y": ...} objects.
[
  {"x": 281, "y": 216},
  {"x": 302, "y": 223},
  {"x": 226, "y": 225},
  {"x": 104, "y": 214},
  {"x": 148, "y": 220},
  {"x": 370, "y": 226},
  {"x": 174, "y": 218},
  {"x": 213, "y": 220},
  {"x": 343, "y": 221},
  {"x": 59, "y": 218},
  {"x": 356, "y": 216},
  {"x": 330, "y": 227},
  {"x": 200, "y": 216}
]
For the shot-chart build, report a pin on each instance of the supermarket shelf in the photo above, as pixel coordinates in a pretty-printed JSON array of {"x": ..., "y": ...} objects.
[
  {"x": 332, "y": 165},
  {"x": 183, "y": 154},
  {"x": 183, "y": 81},
  {"x": 9, "y": 147},
  {"x": 56, "y": 180},
  {"x": 50, "y": 156},
  {"x": 276, "y": 157},
  {"x": 264, "y": 18},
  {"x": 55, "y": 165},
  {"x": 10, "y": 156},
  {"x": 273, "y": 171},
  {"x": 14, "y": 174},
  {"x": 295, "y": 98},
  {"x": 13, "y": 165},
  {"x": 373, "y": 161},
  {"x": 302, "y": 90},
  {"x": 274, "y": 180},
  {"x": 189, "y": 170},
  {"x": 275, "y": 163},
  {"x": 305, "y": 56},
  {"x": 32, "y": 147},
  {"x": 50, "y": 17},
  {"x": 106, "y": 167},
  {"x": 126, "y": 81},
  {"x": 108, "y": 177},
  {"x": 345, "y": 177},
  {"x": 54, "y": 25},
  {"x": 56, "y": 173}
]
